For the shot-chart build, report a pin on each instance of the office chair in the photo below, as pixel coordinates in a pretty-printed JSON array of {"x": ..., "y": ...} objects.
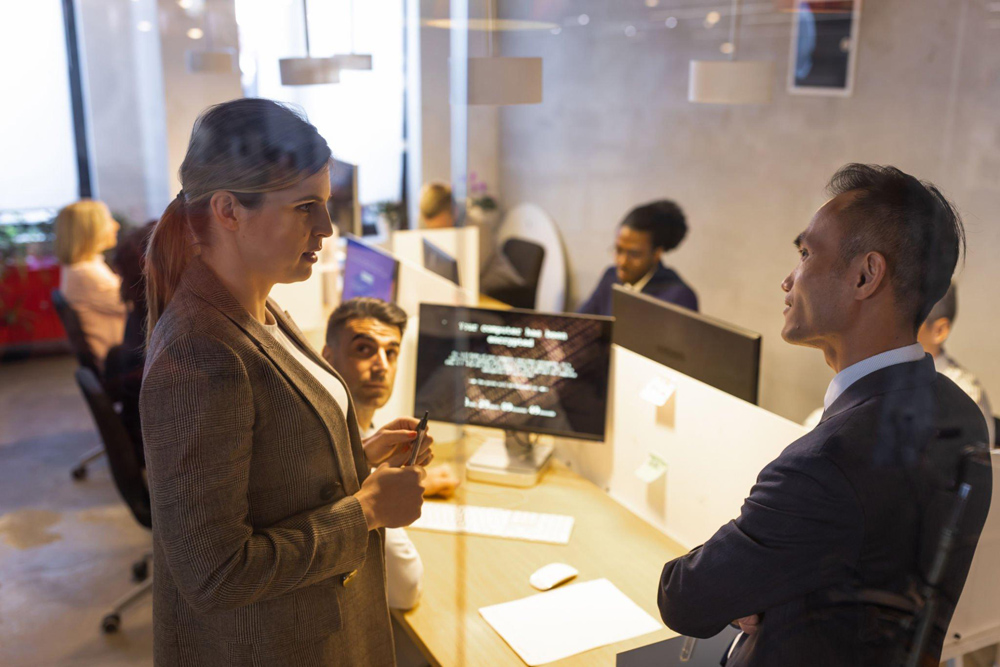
[
  {"x": 527, "y": 258},
  {"x": 127, "y": 474},
  {"x": 996, "y": 432},
  {"x": 85, "y": 356}
]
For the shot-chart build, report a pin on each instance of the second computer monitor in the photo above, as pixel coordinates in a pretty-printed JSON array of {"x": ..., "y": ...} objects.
[
  {"x": 440, "y": 262},
  {"x": 369, "y": 272},
  {"x": 712, "y": 351},
  {"x": 518, "y": 370}
]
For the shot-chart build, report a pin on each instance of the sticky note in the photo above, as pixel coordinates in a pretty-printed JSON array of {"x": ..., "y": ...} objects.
[
  {"x": 652, "y": 469},
  {"x": 657, "y": 391}
]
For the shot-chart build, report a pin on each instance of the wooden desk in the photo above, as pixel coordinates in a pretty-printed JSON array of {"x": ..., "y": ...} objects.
[{"x": 464, "y": 573}]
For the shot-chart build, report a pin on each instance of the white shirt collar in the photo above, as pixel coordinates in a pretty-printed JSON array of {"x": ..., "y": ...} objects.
[
  {"x": 855, "y": 372},
  {"x": 642, "y": 282}
]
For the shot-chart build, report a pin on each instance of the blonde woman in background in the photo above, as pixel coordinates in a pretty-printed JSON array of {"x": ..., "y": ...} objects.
[
  {"x": 437, "y": 206},
  {"x": 84, "y": 230}
]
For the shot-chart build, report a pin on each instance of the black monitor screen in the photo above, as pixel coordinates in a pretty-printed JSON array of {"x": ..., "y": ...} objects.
[
  {"x": 440, "y": 262},
  {"x": 369, "y": 272},
  {"x": 514, "y": 369}
]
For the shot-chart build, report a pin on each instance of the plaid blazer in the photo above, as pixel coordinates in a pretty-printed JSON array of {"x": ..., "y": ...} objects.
[{"x": 262, "y": 555}]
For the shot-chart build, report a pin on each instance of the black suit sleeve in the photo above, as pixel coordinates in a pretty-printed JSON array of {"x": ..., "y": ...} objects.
[
  {"x": 798, "y": 532},
  {"x": 600, "y": 295}
]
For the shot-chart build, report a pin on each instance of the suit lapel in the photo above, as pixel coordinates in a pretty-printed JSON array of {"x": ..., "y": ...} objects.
[{"x": 203, "y": 282}]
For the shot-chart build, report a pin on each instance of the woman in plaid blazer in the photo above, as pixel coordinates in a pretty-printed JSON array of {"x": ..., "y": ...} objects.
[{"x": 267, "y": 522}]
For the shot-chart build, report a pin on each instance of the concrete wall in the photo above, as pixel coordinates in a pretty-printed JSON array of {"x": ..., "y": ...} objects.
[{"x": 615, "y": 130}]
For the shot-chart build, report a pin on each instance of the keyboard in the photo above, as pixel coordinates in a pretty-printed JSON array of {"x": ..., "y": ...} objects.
[{"x": 495, "y": 522}]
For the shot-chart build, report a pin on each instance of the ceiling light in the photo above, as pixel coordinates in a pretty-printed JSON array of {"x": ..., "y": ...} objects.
[
  {"x": 652, "y": 3},
  {"x": 308, "y": 71},
  {"x": 144, "y": 26},
  {"x": 495, "y": 81},
  {"x": 185, "y": 4},
  {"x": 671, "y": 22},
  {"x": 630, "y": 31},
  {"x": 195, "y": 33},
  {"x": 352, "y": 60},
  {"x": 208, "y": 61},
  {"x": 712, "y": 18},
  {"x": 731, "y": 81},
  {"x": 583, "y": 19}
]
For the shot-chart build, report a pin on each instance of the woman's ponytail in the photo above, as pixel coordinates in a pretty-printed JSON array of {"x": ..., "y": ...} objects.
[{"x": 166, "y": 258}]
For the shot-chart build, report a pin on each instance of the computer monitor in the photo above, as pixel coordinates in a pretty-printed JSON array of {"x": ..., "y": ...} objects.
[
  {"x": 717, "y": 353},
  {"x": 369, "y": 272},
  {"x": 518, "y": 370},
  {"x": 440, "y": 262}
]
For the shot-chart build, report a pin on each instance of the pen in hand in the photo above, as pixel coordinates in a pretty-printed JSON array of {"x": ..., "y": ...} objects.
[{"x": 421, "y": 432}]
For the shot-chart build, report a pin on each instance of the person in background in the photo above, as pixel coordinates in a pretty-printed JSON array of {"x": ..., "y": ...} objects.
[
  {"x": 363, "y": 338},
  {"x": 437, "y": 206},
  {"x": 123, "y": 370},
  {"x": 646, "y": 233},
  {"x": 84, "y": 230},
  {"x": 932, "y": 336},
  {"x": 851, "y": 514}
]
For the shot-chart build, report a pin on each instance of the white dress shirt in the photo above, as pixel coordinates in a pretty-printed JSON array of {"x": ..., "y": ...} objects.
[
  {"x": 853, "y": 373},
  {"x": 404, "y": 571},
  {"x": 642, "y": 282}
]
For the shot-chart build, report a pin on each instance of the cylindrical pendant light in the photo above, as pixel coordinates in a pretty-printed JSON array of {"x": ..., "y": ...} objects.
[
  {"x": 731, "y": 81},
  {"x": 352, "y": 60},
  {"x": 308, "y": 71},
  {"x": 209, "y": 60},
  {"x": 499, "y": 81}
]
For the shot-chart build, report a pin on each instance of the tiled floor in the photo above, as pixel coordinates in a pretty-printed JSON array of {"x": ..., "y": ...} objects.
[{"x": 66, "y": 547}]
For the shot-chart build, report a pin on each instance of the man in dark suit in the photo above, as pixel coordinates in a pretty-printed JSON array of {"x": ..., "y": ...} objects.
[
  {"x": 644, "y": 235},
  {"x": 836, "y": 538}
]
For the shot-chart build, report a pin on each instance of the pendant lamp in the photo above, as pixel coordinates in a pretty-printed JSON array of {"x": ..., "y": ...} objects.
[
  {"x": 731, "y": 81},
  {"x": 209, "y": 60},
  {"x": 497, "y": 81},
  {"x": 308, "y": 71},
  {"x": 352, "y": 60}
]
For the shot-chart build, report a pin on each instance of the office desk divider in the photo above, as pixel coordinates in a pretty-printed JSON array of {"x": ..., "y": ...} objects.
[
  {"x": 418, "y": 285},
  {"x": 713, "y": 444}
]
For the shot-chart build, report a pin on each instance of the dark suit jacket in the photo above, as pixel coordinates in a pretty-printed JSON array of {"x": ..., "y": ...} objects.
[
  {"x": 856, "y": 504},
  {"x": 262, "y": 554},
  {"x": 665, "y": 285}
]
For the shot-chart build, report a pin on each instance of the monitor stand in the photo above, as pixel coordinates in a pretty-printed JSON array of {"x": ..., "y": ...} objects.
[{"x": 512, "y": 460}]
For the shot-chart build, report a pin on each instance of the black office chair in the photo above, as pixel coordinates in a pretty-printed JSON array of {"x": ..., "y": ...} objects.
[
  {"x": 996, "y": 432},
  {"x": 127, "y": 474},
  {"x": 86, "y": 358},
  {"x": 527, "y": 258}
]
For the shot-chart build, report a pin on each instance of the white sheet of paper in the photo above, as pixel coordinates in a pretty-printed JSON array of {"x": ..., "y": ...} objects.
[{"x": 555, "y": 625}]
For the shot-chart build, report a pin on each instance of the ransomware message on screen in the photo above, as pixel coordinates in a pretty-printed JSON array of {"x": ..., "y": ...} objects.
[{"x": 526, "y": 371}]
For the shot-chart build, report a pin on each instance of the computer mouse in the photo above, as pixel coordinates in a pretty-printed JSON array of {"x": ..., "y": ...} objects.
[{"x": 551, "y": 575}]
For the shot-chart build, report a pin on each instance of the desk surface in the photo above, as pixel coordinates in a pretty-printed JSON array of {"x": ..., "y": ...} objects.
[{"x": 464, "y": 573}]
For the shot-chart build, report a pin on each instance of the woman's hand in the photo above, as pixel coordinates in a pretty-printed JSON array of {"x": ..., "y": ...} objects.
[
  {"x": 392, "y": 497},
  {"x": 441, "y": 482},
  {"x": 392, "y": 444}
]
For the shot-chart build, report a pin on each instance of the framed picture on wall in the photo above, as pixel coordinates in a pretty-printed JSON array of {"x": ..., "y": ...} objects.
[{"x": 824, "y": 47}]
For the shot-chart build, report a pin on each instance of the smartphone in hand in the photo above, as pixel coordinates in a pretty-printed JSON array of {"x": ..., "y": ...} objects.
[{"x": 421, "y": 432}]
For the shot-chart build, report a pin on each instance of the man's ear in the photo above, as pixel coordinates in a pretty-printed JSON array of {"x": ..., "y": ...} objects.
[
  {"x": 940, "y": 330},
  {"x": 227, "y": 210},
  {"x": 871, "y": 273}
]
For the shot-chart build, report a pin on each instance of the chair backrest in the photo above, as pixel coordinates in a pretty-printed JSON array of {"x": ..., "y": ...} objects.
[
  {"x": 527, "y": 257},
  {"x": 122, "y": 459},
  {"x": 74, "y": 331}
]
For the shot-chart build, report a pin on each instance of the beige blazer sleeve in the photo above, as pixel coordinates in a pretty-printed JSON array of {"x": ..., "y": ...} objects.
[{"x": 198, "y": 412}]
